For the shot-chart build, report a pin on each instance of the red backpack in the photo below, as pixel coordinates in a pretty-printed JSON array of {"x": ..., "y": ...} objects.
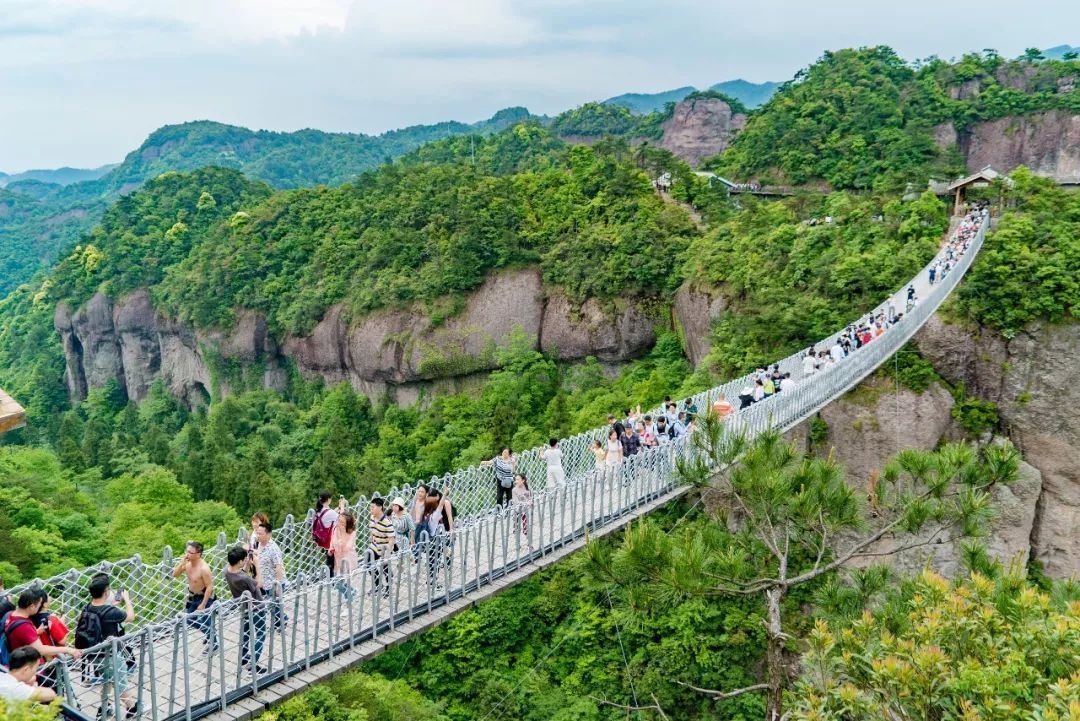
[{"x": 320, "y": 532}]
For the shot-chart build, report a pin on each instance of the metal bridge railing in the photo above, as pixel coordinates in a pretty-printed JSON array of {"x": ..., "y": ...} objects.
[{"x": 163, "y": 656}]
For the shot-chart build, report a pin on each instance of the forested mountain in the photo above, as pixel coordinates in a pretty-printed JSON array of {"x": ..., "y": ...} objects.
[
  {"x": 38, "y": 219},
  {"x": 752, "y": 95},
  {"x": 867, "y": 119},
  {"x": 731, "y": 283}
]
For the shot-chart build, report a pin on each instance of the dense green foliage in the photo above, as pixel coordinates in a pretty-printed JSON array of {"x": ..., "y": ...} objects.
[
  {"x": 599, "y": 120},
  {"x": 39, "y": 220},
  {"x": 980, "y": 648},
  {"x": 789, "y": 284},
  {"x": 36, "y": 220},
  {"x": 54, "y": 517},
  {"x": 1029, "y": 267},
  {"x": 413, "y": 232},
  {"x": 358, "y": 697},
  {"x": 864, "y": 118},
  {"x": 144, "y": 234}
]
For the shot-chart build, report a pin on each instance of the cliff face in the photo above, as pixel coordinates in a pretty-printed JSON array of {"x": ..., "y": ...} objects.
[
  {"x": 868, "y": 427},
  {"x": 1046, "y": 143},
  {"x": 1035, "y": 382},
  {"x": 397, "y": 351},
  {"x": 694, "y": 311},
  {"x": 700, "y": 128}
]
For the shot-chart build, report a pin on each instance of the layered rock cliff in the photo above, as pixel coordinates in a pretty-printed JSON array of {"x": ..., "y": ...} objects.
[
  {"x": 1046, "y": 143},
  {"x": 700, "y": 128},
  {"x": 1035, "y": 382},
  {"x": 395, "y": 351}
]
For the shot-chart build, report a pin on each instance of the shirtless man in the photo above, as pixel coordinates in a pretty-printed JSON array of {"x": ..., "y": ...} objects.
[{"x": 200, "y": 584}]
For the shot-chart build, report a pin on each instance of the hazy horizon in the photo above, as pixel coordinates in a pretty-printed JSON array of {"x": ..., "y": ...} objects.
[{"x": 87, "y": 80}]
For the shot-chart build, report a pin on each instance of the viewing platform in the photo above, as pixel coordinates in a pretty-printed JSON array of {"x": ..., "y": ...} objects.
[{"x": 12, "y": 415}]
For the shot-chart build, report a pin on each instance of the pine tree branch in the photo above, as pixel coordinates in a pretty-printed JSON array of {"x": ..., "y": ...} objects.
[
  {"x": 654, "y": 706},
  {"x": 726, "y": 694}
]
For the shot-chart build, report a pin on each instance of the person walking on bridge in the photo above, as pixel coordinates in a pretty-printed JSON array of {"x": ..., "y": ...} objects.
[
  {"x": 200, "y": 584},
  {"x": 380, "y": 546},
  {"x": 253, "y": 633},
  {"x": 272, "y": 572},
  {"x": 553, "y": 458},
  {"x": 103, "y": 619}
]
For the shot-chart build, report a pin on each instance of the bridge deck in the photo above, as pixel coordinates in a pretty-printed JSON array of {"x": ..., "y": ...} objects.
[{"x": 332, "y": 626}]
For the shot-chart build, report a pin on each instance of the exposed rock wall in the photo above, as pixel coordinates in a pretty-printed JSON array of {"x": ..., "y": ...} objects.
[
  {"x": 1035, "y": 381},
  {"x": 700, "y": 128},
  {"x": 1046, "y": 143},
  {"x": 869, "y": 426},
  {"x": 384, "y": 351},
  {"x": 694, "y": 311}
]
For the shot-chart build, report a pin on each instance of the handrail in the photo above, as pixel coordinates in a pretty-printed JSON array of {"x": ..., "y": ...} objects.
[{"x": 174, "y": 682}]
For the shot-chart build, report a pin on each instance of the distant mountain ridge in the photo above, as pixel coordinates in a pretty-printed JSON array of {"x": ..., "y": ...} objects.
[
  {"x": 58, "y": 176},
  {"x": 1058, "y": 52},
  {"x": 752, "y": 95}
]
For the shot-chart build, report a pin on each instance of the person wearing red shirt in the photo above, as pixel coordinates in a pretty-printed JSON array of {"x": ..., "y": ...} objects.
[{"x": 19, "y": 629}]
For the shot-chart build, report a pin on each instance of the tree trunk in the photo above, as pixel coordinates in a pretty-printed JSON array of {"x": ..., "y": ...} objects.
[{"x": 774, "y": 655}]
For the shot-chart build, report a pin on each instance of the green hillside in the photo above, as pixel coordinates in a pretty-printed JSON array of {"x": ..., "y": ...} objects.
[
  {"x": 864, "y": 118},
  {"x": 40, "y": 219}
]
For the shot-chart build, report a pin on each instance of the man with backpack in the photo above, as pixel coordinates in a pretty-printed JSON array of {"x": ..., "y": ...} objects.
[
  {"x": 322, "y": 527},
  {"x": 17, "y": 628},
  {"x": 103, "y": 619}
]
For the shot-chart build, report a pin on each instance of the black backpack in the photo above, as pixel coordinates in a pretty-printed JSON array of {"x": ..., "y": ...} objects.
[{"x": 90, "y": 631}]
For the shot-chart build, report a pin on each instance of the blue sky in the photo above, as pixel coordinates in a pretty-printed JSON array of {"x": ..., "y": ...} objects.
[{"x": 84, "y": 81}]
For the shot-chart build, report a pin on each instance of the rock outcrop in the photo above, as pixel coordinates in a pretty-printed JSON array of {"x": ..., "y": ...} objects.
[
  {"x": 700, "y": 128},
  {"x": 877, "y": 421},
  {"x": 694, "y": 311},
  {"x": 1046, "y": 143},
  {"x": 384, "y": 351},
  {"x": 870, "y": 425},
  {"x": 1035, "y": 382}
]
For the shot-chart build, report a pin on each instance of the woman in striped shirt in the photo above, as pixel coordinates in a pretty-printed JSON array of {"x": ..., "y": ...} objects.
[
  {"x": 505, "y": 465},
  {"x": 380, "y": 545}
]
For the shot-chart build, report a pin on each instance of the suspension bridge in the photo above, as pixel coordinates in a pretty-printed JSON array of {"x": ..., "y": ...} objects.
[{"x": 175, "y": 673}]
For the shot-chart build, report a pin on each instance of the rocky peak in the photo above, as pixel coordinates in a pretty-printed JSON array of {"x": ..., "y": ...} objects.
[{"x": 701, "y": 127}]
